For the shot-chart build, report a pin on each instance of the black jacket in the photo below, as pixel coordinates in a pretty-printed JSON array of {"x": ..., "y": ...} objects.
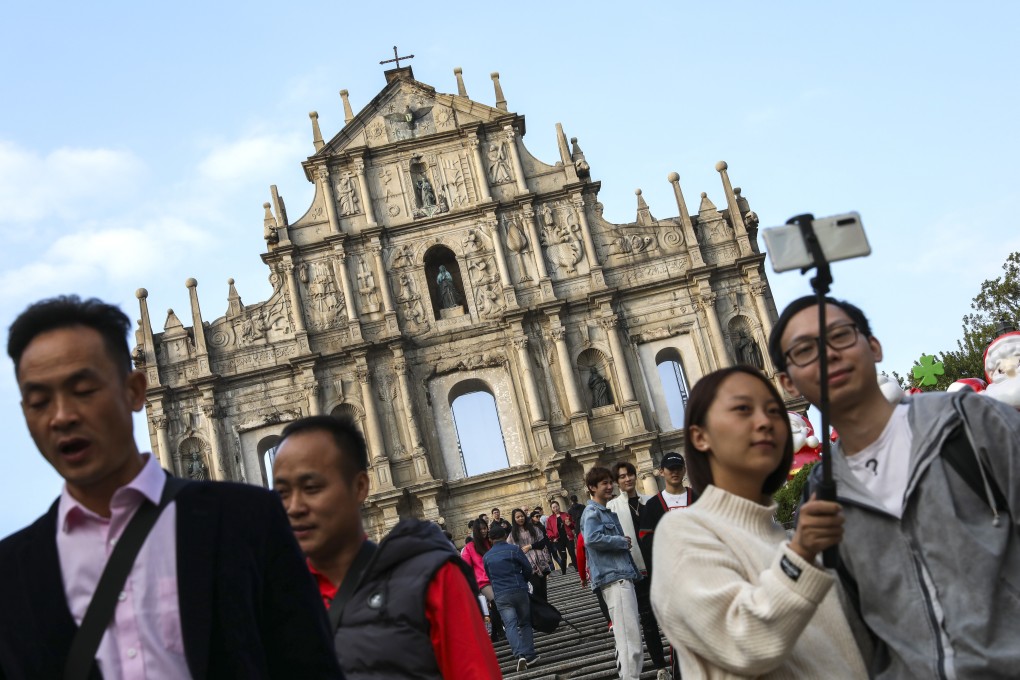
[{"x": 249, "y": 607}]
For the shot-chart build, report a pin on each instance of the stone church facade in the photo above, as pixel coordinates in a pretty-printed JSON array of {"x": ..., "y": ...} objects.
[{"x": 440, "y": 258}]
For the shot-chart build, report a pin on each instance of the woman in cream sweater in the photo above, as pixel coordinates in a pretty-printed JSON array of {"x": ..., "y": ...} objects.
[{"x": 733, "y": 595}]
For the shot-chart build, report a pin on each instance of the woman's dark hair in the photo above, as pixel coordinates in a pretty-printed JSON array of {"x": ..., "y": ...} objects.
[
  {"x": 703, "y": 395},
  {"x": 482, "y": 543},
  {"x": 516, "y": 530}
]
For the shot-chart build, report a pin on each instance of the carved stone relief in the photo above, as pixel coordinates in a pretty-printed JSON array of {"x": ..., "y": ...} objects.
[
  {"x": 324, "y": 302},
  {"x": 518, "y": 244},
  {"x": 408, "y": 122},
  {"x": 415, "y": 316},
  {"x": 561, "y": 238},
  {"x": 347, "y": 195},
  {"x": 499, "y": 162},
  {"x": 366, "y": 286},
  {"x": 455, "y": 169}
]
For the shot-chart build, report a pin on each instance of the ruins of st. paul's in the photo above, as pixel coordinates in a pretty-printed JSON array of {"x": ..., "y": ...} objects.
[{"x": 439, "y": 258}]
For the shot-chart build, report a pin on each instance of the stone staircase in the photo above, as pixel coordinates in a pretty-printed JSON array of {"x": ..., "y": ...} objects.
[{"x": 565, "y": 655}]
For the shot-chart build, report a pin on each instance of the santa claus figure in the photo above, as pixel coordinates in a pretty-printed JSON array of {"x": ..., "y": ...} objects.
[
  {"x": 1002, "y": 369},
  {"x": 806, "y": 447}
]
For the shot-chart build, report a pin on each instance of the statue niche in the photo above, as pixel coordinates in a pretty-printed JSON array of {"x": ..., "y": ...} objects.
[
  {"x": 446, "y": 287},
  {"x": 595, "y": 369},
  {"x": 429, "y": 200}
]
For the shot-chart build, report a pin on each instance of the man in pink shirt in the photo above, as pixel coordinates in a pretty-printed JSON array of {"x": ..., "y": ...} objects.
[{"x": 218, "y": 588}]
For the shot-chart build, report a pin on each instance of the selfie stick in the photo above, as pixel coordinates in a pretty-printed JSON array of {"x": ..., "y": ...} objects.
[{"x": 820, "y": 283}]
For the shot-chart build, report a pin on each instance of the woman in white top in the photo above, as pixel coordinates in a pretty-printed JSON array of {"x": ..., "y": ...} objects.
[{"x": 734, "y": 595}]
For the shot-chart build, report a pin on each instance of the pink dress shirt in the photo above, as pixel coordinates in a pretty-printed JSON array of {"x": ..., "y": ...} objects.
[{"x": 144, "y": 638}]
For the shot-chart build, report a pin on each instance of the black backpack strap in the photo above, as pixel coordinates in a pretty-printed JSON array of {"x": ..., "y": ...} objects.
[
  {"x": 82, "y": 655},
  {"x": 356, "y": 572},
  {"x": 958, "y": 452}
]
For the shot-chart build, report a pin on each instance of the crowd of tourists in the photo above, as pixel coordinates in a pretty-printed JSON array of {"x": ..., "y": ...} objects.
[{"x": 133, "y": 573}]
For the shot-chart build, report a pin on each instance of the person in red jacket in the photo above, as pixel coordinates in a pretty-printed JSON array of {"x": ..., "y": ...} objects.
[
  {"x": 560, "y": 529},
  {"x": 474, "y": 553}
]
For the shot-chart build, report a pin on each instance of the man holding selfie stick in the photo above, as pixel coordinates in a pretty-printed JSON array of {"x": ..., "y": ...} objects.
[{"x": 930, "y": 558}]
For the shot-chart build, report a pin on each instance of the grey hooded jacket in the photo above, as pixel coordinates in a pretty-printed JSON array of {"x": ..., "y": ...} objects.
[{"x": 949, "y": 551}]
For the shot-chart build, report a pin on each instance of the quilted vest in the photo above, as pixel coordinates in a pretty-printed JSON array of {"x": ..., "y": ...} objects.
[{"x": 384, "y": 632}]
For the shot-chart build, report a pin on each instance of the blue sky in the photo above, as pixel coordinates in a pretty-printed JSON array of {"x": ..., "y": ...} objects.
[{"x": 138, "y": 142}]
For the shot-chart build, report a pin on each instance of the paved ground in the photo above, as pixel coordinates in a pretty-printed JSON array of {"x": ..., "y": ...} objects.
[{"x": 565, "y": 654}]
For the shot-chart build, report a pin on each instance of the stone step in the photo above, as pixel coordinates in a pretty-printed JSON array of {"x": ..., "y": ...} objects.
[{"x": 586, "y": 654}]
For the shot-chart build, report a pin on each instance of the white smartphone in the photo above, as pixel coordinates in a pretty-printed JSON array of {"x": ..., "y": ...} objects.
[{"x": 840, "y": 236}]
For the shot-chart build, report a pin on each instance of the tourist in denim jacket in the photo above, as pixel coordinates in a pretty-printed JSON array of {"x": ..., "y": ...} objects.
[{"x": 613, "y": 570}]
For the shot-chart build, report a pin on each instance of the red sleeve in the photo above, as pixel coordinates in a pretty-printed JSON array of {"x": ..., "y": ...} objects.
[
  {"x": 459, "y": 640},
  {"x": 582, "y": 560}
]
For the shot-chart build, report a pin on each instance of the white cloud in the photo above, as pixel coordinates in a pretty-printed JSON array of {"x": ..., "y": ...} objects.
[
  {"x": 115, "y": 255},
  {"x": 253, "y": 158},
  {"x": 68, "y": 183}
]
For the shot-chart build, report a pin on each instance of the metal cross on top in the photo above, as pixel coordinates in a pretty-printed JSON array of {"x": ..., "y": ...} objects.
[{"x": 396, "y": 58}]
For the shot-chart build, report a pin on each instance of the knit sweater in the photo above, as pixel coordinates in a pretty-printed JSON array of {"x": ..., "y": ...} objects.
[{"x": 736, "y": 601}]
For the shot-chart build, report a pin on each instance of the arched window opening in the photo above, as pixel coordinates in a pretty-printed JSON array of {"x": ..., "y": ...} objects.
[
  {"x": 267, "y": 456},
  {"x": 446, "y": 287},
  {"x": 674, "y": 386},
  {"x": 479, "y": 434}
]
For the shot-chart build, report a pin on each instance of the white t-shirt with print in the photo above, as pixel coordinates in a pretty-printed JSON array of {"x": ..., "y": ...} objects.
[
  {"x": 674, "y": 500},
  {"x": 884, "y": 466}
]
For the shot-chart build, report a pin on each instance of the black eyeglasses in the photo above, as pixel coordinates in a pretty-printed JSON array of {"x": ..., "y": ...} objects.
[{"x": 805, "y": 352}]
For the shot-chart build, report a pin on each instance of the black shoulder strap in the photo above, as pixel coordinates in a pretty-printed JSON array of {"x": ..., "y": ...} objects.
[
  {"x": 82, "y": 654},
  {"x": 958, "y": 452},
  {"x": 351, "y": 582}
]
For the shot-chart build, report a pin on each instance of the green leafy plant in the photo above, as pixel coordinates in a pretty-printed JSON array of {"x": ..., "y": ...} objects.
[{"x": 788, "y": 497}]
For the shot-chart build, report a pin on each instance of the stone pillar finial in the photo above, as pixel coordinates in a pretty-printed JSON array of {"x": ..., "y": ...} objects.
[
  {"x": 316, "y": 133},
  {"x": 736, "y": 219},
  {"x": 461, "y": 90},
  {"x": 348, "y": 112},
  {"x": 196, "y": 318},
  {"x": 693, "y": 248},
  {"x": 148, "y": 344},
  {"x": 500, "y": 99},
  {"x": 561, "y": 142}
]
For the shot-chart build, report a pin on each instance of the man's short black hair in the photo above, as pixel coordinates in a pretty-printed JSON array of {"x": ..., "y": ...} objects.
[
  {"x": 66, "y": 311},
  {"x": 494, "y": 510},
  {"x": 775, "y": 339},
  {"x": 573, "y": 498},
  {"x": 628, "y": 466},
  {"x": 345, "y": 434}
]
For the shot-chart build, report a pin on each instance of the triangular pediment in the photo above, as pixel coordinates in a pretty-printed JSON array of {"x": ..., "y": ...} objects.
[{"x": 407, "y": 109}]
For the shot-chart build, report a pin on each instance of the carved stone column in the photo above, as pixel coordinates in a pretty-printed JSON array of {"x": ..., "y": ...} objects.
[
  {"x": 209, "y": 413},
  {"x": 497, "y": 246},
  {"x": 377, "y": 448},
  {"x": 345, "y": 284},
  {"x": 530, "y": 388},
  {"x": 536, "y": 242},
  {"x": 481, "y": 177},
  {"x": 707, "y": 302},
  {"x": 164, "y": 454},
  {"x": 758, "y": 290},
  {"x": 322, "y": 174},
  {"x": 558, "y": 336},
  {"x": 419, "y": 455},
  {"x": 609, "y": 324},
  {"x": 366, "y": 198},
  {"x": 515, "y": 156},
  {"x": 295, "y": 301},
  {"x": 582, "y": 217},
  {"x": 380, "y": 273}
]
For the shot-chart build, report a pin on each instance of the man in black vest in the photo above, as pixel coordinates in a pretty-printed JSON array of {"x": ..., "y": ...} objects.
[{"x": 406, "y": 607}]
